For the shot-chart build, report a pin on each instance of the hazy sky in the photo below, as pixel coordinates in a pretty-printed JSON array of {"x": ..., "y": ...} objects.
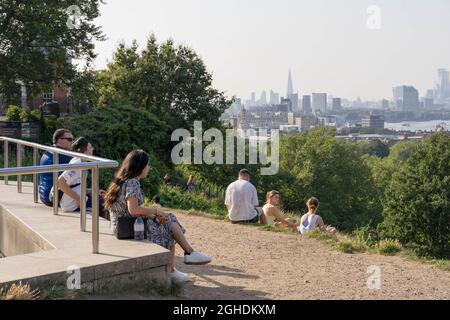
[{"x": 249, "y": 45}]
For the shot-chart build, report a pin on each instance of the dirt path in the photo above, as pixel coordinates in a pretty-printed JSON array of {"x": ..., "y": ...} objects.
[{"x": 252, "y": 264}]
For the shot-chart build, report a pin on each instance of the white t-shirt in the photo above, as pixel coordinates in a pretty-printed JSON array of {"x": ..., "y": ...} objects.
[
  {"x": 72, "y": 177},
  {"x": 241, "y": 199}
]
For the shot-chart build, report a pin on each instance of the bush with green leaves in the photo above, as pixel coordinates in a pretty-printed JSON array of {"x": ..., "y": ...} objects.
[
  {"x": 13, "y": 113},
  {"x": 417, "y": 200},
  {"x": 316, "y": 164},
  {"x": 174, "y": 197},
  {"x": 115, "y": 131},
  {"x": 388, "y": 247},
  {"x": 27, "y": 115}
]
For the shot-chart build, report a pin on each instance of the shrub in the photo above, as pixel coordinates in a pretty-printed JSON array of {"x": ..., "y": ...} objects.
[
  {"x": 348, "y": 246},
  {"x": 174, "y": 197},
  {"x": 27, "y": 115},
  {"x": 13, "y": 113},
  {"x": 388, "y": 247},
  {"x": 316, "y": 164},
  {"x": 117, "y": 130},
  {"x": 366, "y": 236},
  {"x": 417, "y": 200}
]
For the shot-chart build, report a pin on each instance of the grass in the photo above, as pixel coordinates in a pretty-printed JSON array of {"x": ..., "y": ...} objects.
[
  {"x": 19, "y": 292},
  {"x": 349, "y": 246},
  {"x": 443, "y": 264},
  {"x": 152, "y": 287},
  {"x": 388, "y": 247},
  {"x": 275, "y": 229},
  {"x": 60, "y": 292},
  {"x": 362, "y": 240}
]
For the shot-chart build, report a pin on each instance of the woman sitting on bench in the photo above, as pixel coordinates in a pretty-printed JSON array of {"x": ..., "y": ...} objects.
[{"x": 125, "y": 198}]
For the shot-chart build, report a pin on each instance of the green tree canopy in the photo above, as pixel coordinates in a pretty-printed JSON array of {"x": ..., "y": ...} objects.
[
  {"x": 38, "y": 45},
  {"x": 115, "y": 131},
  {"x": 168, "y": 80},
  {"x": 374, "y": 148},
  {"x": 417, "y": 205},
  {"x": 319, "y": 165}
]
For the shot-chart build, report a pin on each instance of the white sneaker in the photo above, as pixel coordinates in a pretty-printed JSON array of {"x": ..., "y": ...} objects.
[
  {"x": 196, "y": 258},
  {"x": 179, "y": 277}
]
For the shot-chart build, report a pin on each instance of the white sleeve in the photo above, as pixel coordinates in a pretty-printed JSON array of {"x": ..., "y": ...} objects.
[
  {"x": 255, "y": 197},
  {"x": 70, "y": 176},
  {"x": 227, "y": 197}
]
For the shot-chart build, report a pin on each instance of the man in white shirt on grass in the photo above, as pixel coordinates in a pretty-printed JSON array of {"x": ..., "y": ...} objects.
[{"x": 242, "y": 202}]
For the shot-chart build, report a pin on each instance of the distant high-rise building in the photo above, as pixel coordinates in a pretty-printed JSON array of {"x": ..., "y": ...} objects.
[
  {"x": 428, "y": 103},
  {"x": 305, "y": 122},
  {"x": 443, "y": 85},
  {"x": 306, "y": 104},
  {"x": 253, "y": 99},
  {"x": 336, "y": 104},
  {"x": 373, "y": 121},
  {"x": 274, "y": 98},
  {"x": 319, "y": 102},
  {"x": 430, "y": 94},
  {"x": 288, "y": 103},
  {"x": 385, "y": 104},
  {"x": 263, "y": 98},
  {"x": 406, "y": 98},
  {"x": 294, "y": 101},
  {"x": 290, "y": 87}
]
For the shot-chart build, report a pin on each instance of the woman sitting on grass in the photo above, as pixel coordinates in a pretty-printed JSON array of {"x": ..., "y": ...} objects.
[
  {"x": 125, "y": 198},
  {"x": 273, "y": 215},
  {"x": 311, "y": 220},
  {"x": 308, "y": 222}
]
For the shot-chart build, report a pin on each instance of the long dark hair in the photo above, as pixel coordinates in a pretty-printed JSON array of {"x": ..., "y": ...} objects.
[{"x": 133, "y": 165}]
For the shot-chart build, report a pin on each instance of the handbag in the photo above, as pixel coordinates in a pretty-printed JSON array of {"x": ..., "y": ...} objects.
[{"x": 125, "y": 228}]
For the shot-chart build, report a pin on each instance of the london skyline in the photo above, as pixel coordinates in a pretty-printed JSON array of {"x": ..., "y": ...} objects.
[{"x": 328, "y": 47}]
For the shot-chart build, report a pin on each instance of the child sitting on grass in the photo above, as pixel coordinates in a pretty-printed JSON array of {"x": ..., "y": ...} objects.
[{"x": 311, "y": 220}]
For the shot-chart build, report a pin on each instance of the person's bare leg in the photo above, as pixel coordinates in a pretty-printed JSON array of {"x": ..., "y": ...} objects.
[
  {"x": 171, "y": 264},
  {"x": 263, "y": 219},
  {"x": 179, "y": 237}
]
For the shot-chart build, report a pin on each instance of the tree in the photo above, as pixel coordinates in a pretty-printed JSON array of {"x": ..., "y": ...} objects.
[
  {"x": 167, "y": 80},
  {"x": 417, "y": 205},
  {"x": 316, "y": 164},
  {"x": 38, "y": 45},
  {"x": 117, "y": 130},
  {"x": 374, "y": 148}
]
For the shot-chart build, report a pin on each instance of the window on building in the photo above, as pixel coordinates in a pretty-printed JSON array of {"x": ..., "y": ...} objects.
[{"x": 48, "y": 97}]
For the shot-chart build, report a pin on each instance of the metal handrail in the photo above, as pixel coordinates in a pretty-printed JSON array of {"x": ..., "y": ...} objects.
[{"x": 93, "y": 163}]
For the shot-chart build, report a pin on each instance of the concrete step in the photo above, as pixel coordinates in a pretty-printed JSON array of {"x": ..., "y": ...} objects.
[{"x": 40, "y": 247}]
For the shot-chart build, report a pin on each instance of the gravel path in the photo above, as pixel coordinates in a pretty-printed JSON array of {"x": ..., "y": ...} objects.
[{"x": 252, "y": 264}]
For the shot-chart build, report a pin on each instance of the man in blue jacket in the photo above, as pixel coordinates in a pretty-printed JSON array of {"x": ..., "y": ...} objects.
[{"x": 62, "y": 138}]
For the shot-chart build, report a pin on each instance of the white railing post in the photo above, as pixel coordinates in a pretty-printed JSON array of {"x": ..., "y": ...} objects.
[
  {"x": 95, "y": 213},
  {"x": 35, "y": 176},
  {"x": 83, "y": 201},
  {"x": 19, "y": 164},
  {"x": 6, "y": 158},
  {"x": 55, "y": 185}
]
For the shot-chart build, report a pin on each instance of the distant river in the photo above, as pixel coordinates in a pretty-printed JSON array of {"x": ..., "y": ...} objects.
[{"x": 417, "y": 125}]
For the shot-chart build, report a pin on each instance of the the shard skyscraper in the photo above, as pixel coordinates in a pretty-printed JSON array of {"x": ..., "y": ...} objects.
[{"x": 290, "y": 87}]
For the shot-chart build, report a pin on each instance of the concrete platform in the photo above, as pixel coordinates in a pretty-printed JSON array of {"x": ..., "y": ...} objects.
[{"x": 40, "y": 247}]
